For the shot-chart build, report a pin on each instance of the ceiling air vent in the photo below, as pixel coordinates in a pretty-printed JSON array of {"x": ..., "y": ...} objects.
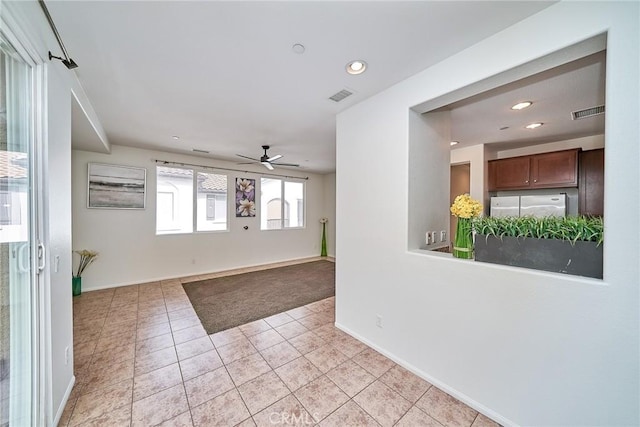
[
  {"x": 195, "y": 150},
  {"x": 588, "y": 112},
  {"x": 340, "y": 95}
]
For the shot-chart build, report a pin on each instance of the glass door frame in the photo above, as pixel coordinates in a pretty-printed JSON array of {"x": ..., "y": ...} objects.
[{"x": 11, "y": 32}]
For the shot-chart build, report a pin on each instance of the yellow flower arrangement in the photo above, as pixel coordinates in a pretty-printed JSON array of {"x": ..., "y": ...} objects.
[{"x": 466, "y": 207}]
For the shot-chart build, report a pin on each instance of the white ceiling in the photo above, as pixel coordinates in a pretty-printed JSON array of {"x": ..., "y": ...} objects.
[
  {"x": 555, "y": 94},
  {"x": 223, "y": 76}
]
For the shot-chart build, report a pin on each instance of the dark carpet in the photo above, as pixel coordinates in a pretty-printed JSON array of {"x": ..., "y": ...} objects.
[{"x": 226, "y": 302}]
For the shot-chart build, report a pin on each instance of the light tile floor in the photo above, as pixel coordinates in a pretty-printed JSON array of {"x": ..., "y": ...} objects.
[{"x": 142, "y": 358}]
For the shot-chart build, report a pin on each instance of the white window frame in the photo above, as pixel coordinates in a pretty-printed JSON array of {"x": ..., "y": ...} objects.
[
  {"x": 194, "y": 201},
  {"x": 284, "y": 203}
]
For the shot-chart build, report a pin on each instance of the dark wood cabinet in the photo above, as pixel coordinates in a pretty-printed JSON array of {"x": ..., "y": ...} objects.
[
  {"x": 549, "y": 170},
  {"x": 553, "y": 170},
  {"x": 591, "y": 183},
  {"x": 509, "y": 174}
]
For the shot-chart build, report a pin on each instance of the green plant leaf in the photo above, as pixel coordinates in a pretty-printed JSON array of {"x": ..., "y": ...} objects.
[{"x": 571, "y": 228}]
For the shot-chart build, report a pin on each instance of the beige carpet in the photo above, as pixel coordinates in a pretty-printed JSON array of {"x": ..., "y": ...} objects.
[{"x": 226, "y": 302}]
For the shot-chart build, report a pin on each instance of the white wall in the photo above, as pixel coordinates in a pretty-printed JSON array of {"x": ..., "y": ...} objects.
[
  {"x": 54, "y": 139},
  {"x": 586, "y": 143},
  {"x": 429, "y": 139},
  {"x": 524, "y": 347},
  {"x": 131, "y": 252},
  {"x": 59, "y": 324}
]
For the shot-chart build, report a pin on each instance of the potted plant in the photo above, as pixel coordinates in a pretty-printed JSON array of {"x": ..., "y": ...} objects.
[
  {"x": 465, "y": 209},
  {"x": 86, "y": 258},
  {"x": 569, "y": 245}
]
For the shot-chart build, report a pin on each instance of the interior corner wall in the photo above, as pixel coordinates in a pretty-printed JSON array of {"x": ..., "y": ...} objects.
[
  {"x": 131, "y": 252},
  {"x": 429, "y": 149},
  {"x": 524, "y": 347},
  {"x": 329, "y": 209}
]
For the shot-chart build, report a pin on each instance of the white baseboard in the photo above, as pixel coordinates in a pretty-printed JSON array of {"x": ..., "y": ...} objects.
[
  {"x": 64, "y": 401},
  {"x": 436, "y": 382},
  {"x": 234, "y": 270}
]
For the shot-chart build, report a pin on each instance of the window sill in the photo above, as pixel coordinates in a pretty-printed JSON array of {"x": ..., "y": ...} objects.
[
  {"x": 191, "y": 233},
  {"x": 283, "y": 229}
]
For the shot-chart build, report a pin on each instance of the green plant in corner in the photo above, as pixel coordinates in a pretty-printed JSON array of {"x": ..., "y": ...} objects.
[{"x": 571, "y": 228}]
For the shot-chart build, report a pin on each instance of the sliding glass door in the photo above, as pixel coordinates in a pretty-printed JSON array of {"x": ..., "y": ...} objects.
[{"x": 18, "y": 275}]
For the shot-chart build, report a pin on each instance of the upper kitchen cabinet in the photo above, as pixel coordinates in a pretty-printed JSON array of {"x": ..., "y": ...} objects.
[
  {"x": 553, "y": 170},
  {"x": 509, "y": 174},
  {"x": 558, "y": 169}
]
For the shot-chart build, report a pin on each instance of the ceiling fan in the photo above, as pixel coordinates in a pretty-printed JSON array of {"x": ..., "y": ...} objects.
[{"x": 266, "y": 161}]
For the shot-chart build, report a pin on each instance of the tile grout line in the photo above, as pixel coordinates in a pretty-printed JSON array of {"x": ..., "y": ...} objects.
[{"x": 246, "y": 335}]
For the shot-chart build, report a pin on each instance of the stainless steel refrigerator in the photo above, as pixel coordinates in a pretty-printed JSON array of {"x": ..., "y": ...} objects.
[{"x": 534, "y": 205}]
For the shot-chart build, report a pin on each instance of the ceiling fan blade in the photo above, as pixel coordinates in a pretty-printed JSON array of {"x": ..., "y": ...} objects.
[
  {"x": 276, "y": 157},
  {"x": 287, "y": 164},
  {"x": 246, "y": 163},
  {"x": 247, "y": 157},
  {"x": 267, "y": 165}
]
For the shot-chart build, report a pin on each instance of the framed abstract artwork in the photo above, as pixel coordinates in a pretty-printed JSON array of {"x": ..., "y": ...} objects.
[{"x": 116, "y": 187}]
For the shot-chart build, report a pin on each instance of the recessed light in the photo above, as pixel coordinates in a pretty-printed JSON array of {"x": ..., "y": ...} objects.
[
  {"x": 356, "y": 67},
  {"x": 298, "y": 48},
  {"x": 454, "y": 143},
  {"x": 522, "y": 105},
  {"x": 175, "y": 137},
  {"x": 533, "y": 125}
]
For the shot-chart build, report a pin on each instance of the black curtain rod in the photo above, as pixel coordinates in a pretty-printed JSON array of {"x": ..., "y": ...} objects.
[
  {"x": 167, "y": 162},
  {"x": 67, "y": 61}
]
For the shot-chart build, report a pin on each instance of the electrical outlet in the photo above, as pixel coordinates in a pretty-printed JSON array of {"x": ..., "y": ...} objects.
[
  {"x": 443, "y": 236},
  {"x": 379, "y": 321},
  {"x": 434, "y": 237},
  {"x": 66, "y": 355},
  {"x": 428, "y": 238}
]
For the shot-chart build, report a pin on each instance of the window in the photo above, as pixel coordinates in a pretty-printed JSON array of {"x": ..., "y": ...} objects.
[
  {"x": 187, "y": 200},
  {"x": 282, "y": 204},
  {"x": 166, "y": 210},
  {"x": 212, "y": 202}
]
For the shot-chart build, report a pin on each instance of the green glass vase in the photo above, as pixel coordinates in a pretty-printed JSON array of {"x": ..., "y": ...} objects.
[
  {"x": 463, "y": 242},
  {"x": 323, "y": 251},
  {"x": 76, "y": 285}
]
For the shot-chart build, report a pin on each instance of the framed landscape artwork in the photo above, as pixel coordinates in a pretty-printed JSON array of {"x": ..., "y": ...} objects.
[{"x": 116, "y": 187}]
